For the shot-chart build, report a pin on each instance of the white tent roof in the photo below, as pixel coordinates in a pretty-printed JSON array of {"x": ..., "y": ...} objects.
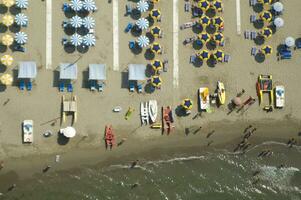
[
  {"x": 97, "y": 72},
  {"x": 27, "y": 69},
  {"x": 68, "y": 71},
  {"x": 137, "y": 72}
]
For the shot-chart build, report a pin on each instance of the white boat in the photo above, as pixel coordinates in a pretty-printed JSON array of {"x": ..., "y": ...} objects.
[
  {"x": 280, "y": 98},
  {"x": 204, "y": 98},
  {"x": 153, "y": 110},
  {"x": 27, "y": 131},
  {"x": 144, "y": 113}
]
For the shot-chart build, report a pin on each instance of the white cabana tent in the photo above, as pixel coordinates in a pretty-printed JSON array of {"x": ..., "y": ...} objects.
[
  {"x": 97, "y": 72},
  {"x": 137, "y": 72},
  {"x": 27, "y": 69},
  {"x": 68, "y": 71}
]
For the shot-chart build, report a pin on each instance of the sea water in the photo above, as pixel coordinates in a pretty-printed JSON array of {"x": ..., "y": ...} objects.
[{"x": 215, "y": 174}]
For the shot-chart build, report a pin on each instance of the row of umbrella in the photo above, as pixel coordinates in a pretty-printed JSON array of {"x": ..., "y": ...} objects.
[
  {"x": 87, "y": 22},
  {"x": 206, "y": 37},
  {"x": 78, "y": 5},
  {"x": 205, "y": 55},
  {"x": 20, "y": 19},
  {"x": 19, "y": 38},
  {"x": 143, "y": 41},
  {"x": 77, "y": 40},
  {"x": 205, "y": 5},
  {"x": 23, "y": 4},
  {"x": 216, "y": 21}
]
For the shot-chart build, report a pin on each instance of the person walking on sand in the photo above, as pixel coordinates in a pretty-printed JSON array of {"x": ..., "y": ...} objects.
[
  {"x": 135, "y": 185},
  {"x": 246, "y": 129},
  {"x": 46, "y": 168},
  {"x": 134, "y": 164},
  {"x": 241, "y": 93},
  {"x": 197, "y": 130},
  {"x": 1, "y": 164},
  {"x": 13, "y": 186},
  {"x": 121, "y": 142}
]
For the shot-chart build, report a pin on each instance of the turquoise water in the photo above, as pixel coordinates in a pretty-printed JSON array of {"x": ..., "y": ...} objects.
[{"x": 218, "y": 174}]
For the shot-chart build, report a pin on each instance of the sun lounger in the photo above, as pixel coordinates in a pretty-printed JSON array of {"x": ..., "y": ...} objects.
[
  {"x": 93, "y": 85},
  {"x": 131, "y": 44},
  {"x": 64, "y": 23},
  {"x": 19, "y": 48},
  {"x": 252, "y": 18},
  {"x": 192, "y": 59},
  {"x": 66, "y": 7},
  {"x": 128, "y": 27},
  {"x": 253, "y": 2},
  {"x": 139, "y": 86},
  {"x": 100, "y": 87},
  {"x": 253, "y": 35},
  {"x": 61, "y": 87},
  {"x": 29, "y": 86},
  {"x": 70, "y": 87},
  {"x": 247, "y": 34},
  {"x": 91, "y": 31},
  {"x": 253, "y": 51},
  {"x": 165, "y": 65},
  {"x": 227, "y": 58},
  {"x": 64, "y": 40},
  {"x": 132, "y": 86},
  {"x": 298, "y": 44},
  {"x": 188, "y": 40},
  {"x": 22, "y": 85},
  {"x": 187, "y": 6},
  {"x": 286, "y": 55},
  {"x": 128, "y": 9}
]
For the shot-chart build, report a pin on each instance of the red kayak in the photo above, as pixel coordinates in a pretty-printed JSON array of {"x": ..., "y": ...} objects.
[{"x": 109, "y": 137}]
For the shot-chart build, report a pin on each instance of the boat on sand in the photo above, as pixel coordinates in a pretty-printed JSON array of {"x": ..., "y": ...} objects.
[
  {"x": 109, "y": 137},
  {"x": 153, "y": 110},
  {"x": 221, "y": 93}
]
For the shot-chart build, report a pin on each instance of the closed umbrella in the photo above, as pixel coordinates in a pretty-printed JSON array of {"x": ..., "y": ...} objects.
[
  {"x": 217, "y": 5},
  {"x": 156, "y": 31},
  {"x": 7, "y": 39},
  {"x": 156, "y": 48},
  {"x": 266, "y": 16},
  {"x": 142, "y": 6},
  {"x": 143, "y": 41},
  {"x": 157, "y": 65},
  {"x": 267, "y": 50},
  {"x": 6, "y": 79},
  {"x": 76, "y": 5},
  {"x": 266, "y": 32},
  {"x": 7, "y": 60},
  {"x": 23, "y": 4},
  {"x": 204, "y": 37},
  {"x": 219, "y": 55},
  {"x": 155, "y": 14},
  {"x": 218, "y": 21},
  {"x": 68, "y": 132},
  {"x": 76, "y": 39},
  {"x": 204, "y": 55},
  {"x": 21, "y": 38},
  {"x": 156, "y": 81},
  {"x": 21, "y": 19},
  {"x": 89, "y": 40},
  {"x": 289, "y": 41},
  {"x": 278, "y": 22},
  {"x": 204, "y": 5},
  {"x": 89, "y": 5},
  {"x": 278, "y": 7},
  {"x": 7, "y": 20},
  {"x": 76, "y": 21},
  {"x": 187, "y": 104},
  {"x": 204, "y": 20},
  {"x": 8, "y": 3},
  {"x": 142, "y": 23},
  {"x": 88, "y": 22}
]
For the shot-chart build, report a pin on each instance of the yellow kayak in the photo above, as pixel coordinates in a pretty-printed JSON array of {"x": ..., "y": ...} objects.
[{"x": 221, "y": 92}]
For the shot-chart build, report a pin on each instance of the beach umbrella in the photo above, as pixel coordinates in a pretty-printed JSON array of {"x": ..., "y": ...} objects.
[
  {"x": 278, "y": 7},
  {"x": 88, "y": 22},
  {"x": 68, "y": 132},
  {"x": 21, "y": 19},
  {"x": 6, "y": 79},
  {"x": 267, "y": 50},
  {"x": 76, "y": 21},
  {"x": 89, "y": 5},
  {"x": 89, "y": 40},
  {"x": 7, "y": 20},
  {"x": 204, "y": 20},
  {"x": 155, "y": 13},
  {"x": 142, "y": 23},
  {"x": 76, "y": 39},
  {"x": 7, "y": 39},
  {"x": 204, "y": 5},
  {"x": 187, "y": 104},
  {"x": 266, "y": 32},
  {"x": 219, "y": 55},
  {"x": 156, "y": 47},
  {"x": 289, "y": 41},
  {"x": 155, "y": 1},
  {"x": 218, "y": 37},
  {"x": 76, "y": 5},
  {"x": 156, "y": 81},
  {"x": 218, "y": 21},
  {"x": 217, "y": 5},
  {"x": 21, "y": 38},
  {"x": 156, "y": 31},
  {"x": 23, "y": 4},
  {"x": 143, "y": 41},
  {"x": 142, "y": 6},
  {"x": 278, "y": 22},
  {"x": 204, "y": 37},
  {"x": 7, "y": 60},
  {"x": 265, "y": 1},
  {"x": 8, "y": 3},
  {"x": 204, "y": 55},
  {"x": 157, "y": 65},
  {"x": 266, "y": 16}
]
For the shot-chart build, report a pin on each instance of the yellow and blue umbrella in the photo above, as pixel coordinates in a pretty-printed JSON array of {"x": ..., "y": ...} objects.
[
  {"x": 204, "y": 20},
  {"x": 265, "y": 1},
  {"x": 266, "y": 16},
  {"x": 217, "y": 5},
  {"x": 204, "y": 55},
  {"x": 267, "y": 50},
  {"x": 218, "y": 21},
  {"x": 157, "y": 65},
  {"x": 219, "y": 55},
  {"x": 156, "y": 81},
  {"x": 155, "y": 1},
  {"x": 187, "y": 104},
  {"x": 266, "y": 32},
  {"x": 204, "y": 37},
  {"x": 218, "y": 37},
  {"x": 156, "y": 31},
  {"x": 156, "y": 47},
  {"x": 204, "y": 5},
  {"x": 155, "y": 13}
]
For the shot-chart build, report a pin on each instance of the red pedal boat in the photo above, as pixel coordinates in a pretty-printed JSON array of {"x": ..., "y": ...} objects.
[
  {"x": 109, "y": 137},
  {"x": 167, "y": 119}
]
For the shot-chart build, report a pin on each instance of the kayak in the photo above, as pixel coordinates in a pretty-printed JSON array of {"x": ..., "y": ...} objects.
[{"x": 221, "y": 92}]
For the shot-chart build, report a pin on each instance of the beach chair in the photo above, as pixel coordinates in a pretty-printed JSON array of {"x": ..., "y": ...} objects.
[
  {"x": 61, "y": 87},
  {"x": 139, "y": 87},
  {"x": 247, "y": 34},
  {"x": 131, "y": 44},
  {"x": 91, "y": 31},
  {"x": 65, "y": 23},
  {"x": 100, "y": 87},
  {"x": 253, "y": 35},
  {"x": 253, "y": 2},
  {"x": 252, "y": 18},
  {"x": 128, "y": 9},
  {"x": 19, "y": 48},
  {"x": 70, "y": 87},
  {"x": 192, "y": 59},
  {"x": 66, "y": 7},
  {"x": 253, "y": 51},
  {"x": 286, "y": 55},
  {"x": 22, "y": 85},
  {"x": 64, "y": 40},
  {"x": 128, "y": 27},
  {"x": 187, "y": 7},
  {"x": 29, "y": 86},
  {"x": 132, "y": 86},
  {"x": 165, "y": 65},
  {"x": 298, "y": 44},
  {"x": 93, "y": 85},
  {"x": 227, "y": 58}
]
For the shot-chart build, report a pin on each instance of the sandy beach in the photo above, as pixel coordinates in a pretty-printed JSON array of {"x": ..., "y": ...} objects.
[{"x": 43, "y": 103}]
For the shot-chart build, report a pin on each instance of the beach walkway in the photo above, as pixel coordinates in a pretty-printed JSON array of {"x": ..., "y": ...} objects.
[
  {"x": 238, "y": 23},
  {"x": 115, "y": 36},
  {"x": 48, "y": 34},
  {"x": 175, "y": 43}
]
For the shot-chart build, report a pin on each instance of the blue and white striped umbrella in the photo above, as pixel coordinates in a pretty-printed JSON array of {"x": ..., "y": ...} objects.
[
  {"x": 21, "y": 37},
  {"x": 89, "y": 22},
  {"x": 21, "y": 19},
  {"x": 142, "y": 6},
  {"x": 76, "y": 5},
  {"x": 143, "y": 41},
  {"x": 76, "y": 39},
  {"x": 89, "y": 40},
  {"x": 142, "y": 23},
  {"x": 89, "y": 5},
  {"x": 23, "y": 4},
  {"x": 76, "y": 21}
]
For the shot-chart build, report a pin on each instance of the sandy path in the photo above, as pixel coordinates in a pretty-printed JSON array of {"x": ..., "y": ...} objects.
[
  {"x": 48, "y": 34},
  {"x": 175, "y": 43},
  {"x": 115, "y": 36}
]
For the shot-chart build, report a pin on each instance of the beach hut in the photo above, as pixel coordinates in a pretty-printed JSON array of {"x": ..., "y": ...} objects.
[
  {"x": 76, "y": 39},
  {"x": 142, "y": 6},
  {"x": 7, "y": 39},
  {"x": 204, "y": 20},
  {"x": 278, "y": 7},
  {"x": 88, "y": 22},
  {"x": 7, "y": 20},
  {"x": 97, "y": 76},
  {"x": 187, "y": 104},
  {"x": 89, "y": 5},
  {"x": 23, "y": 4},
  {"x": 21, "y": 19},
  {"x": 142, "y": 23},
  {"x": 156, "y": 81},
  {"x": 68, "y": 71},
  {"x": 218, "y": 37},
  {"x": 21, "y": 37},
  {"x": 204, "y": 37},
  {"x": 266, "y": 16},
  {"x": 156, "y": 31},
  {"x": 219, "y": 55},
  {"x": 266, "y": 32},
  {"x": 8, "y": 3},
  {"x": 143, "y": 41},
  {"x": 156, "y": 48},
  {"x": 204, "y": 5},
  {"x": 89, "y": 40},
  {"x": 278, "y": 22},
  {"x": 27, "y": 70},
  {"x": 289, "y": 41},
  {"x": 157, "y": 65},
  {"x": 6, "y": 79},
  {"x": 267, "y": 50},
  {"x": 7, "y": 60},
  {"x": 155, "y": 14},
  {"x": 204, "y": 55},
  {"x": 218, "y": 21},
  {"x": 76, "y": 5},
  {"x": 217, "y": 5},
  {"x": 68, "y": 132},
  {"x": 76, "y": 21}
]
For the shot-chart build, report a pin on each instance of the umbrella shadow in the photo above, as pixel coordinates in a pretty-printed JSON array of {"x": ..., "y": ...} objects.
[
  {"x": 2, "y": 68},
  {"x": 82, "y": 49},
  {"x": 125, "y": 79},
  {"x": 14, "y": 10},
  {"x": 61, "y": 139},
  {"x": 211, "y": 29},
  {"x": 280, "y": 48},
  {"x": 69, "y": 48},
  {"x": 136, "y": 50},
  {"x": 149, "y": 71},
  {"x": 150, "y": 36},
  {"x": 3, "y": 28},
  {"x": 198, "y": 62},
  {"x": 211, "y": 12},
  {"x": 3, "y": 9},
  {"x": 149, "y": 89},
  {"x": 150, "y": 20},
  {"x": 70, "y": 13},
  {"x": 136, "y": 31},
  {"x": 69, "y": 30},
  {"x": 197, "y": 28},
  {"x": 260, "y": 57},
  {"x": 85, "y": 80},
  {"x": 297, "y": 42},
  {"x": 149, "y": 55},
  {"x": 180, "y": 111},
  {"x": 82, "y": 31},
  {"x": 258, "y": 24},
  {"x": 259, "y": 40},
  {"x": 197, "y": 45},
  {"x": 136, "y": 14},
  {"x": 211, "y": 62},
  {"x": 3, "y": 88},
  {"x": 211, "y": 45},
  {"x": 273, "y": 28},
  {"x": 3, "y": 48},
  {"x": 151, "y": 5},
  {"x": 83, "y": 13},
  {"x": 258, "y": 8},
  {"x": 15, "y": 28}
]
